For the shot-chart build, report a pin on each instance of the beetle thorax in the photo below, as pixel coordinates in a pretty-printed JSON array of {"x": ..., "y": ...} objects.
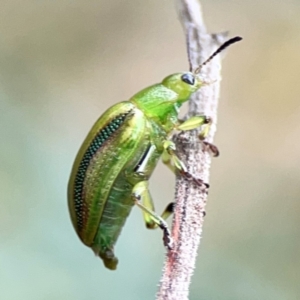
[{"x": 161, "y": 102}]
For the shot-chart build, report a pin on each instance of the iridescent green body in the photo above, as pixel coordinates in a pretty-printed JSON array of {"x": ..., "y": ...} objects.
[
  {"x": 118, "y": 156},
  {"x": 105, "y": 169}
]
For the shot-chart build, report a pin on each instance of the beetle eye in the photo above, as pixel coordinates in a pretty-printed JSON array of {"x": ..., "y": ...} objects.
[{"x": 188, "y": 78}]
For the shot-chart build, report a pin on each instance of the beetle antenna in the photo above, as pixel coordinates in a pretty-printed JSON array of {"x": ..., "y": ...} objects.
[
  {"x": 221, "y": 48},
  {"x": 188, "y": 46}
]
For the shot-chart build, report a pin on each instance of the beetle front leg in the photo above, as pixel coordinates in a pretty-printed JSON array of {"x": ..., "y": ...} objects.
[
  {"x": 141, "y": 195},
  {"x": 195, "y": 122},
  {"x": 170, "y": 159}
]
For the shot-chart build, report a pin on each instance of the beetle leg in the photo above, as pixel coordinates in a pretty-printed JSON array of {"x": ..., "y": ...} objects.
[
  {"x": 168, "y": 210},
  {"x": 195, "y": 122},
  {"x": 141, "y": 195},
  {"x": 166, "y": 156},
  {"x": 148, "y": 202},
  {"x": 170, "y": 158}
]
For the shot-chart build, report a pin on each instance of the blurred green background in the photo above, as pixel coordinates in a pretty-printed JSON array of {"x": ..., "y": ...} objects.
[{"x": 62, "y": 63}]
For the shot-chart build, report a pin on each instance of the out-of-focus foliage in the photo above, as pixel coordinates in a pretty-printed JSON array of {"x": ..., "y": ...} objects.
[{"x": 62, "y": 63}]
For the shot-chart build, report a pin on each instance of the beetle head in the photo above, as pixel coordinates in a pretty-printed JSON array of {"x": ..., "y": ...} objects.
[{"x": 183, "y": 84}]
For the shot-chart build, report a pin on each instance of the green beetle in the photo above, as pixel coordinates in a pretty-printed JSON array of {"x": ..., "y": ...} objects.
[{"x": 113, "y": 166}]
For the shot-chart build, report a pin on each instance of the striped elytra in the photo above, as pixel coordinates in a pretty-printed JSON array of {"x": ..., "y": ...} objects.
[{"x": 99, "y": 140}]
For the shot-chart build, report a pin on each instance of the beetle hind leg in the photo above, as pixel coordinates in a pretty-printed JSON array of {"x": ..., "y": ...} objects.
[
  {"x": 150, "y": 223},
  {"x": 143, "y": 200}
]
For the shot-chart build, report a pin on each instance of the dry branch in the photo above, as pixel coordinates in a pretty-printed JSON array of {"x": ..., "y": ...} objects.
[{"x": 191, "y": 199}]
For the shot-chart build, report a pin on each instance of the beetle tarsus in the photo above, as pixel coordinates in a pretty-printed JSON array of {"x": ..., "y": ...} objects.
[
  {"x": 170, "y": 207},
  {"x": 167, "y": 239},
  {"x": 211, "y": 148},
  {"x": 197, "y": 181}
]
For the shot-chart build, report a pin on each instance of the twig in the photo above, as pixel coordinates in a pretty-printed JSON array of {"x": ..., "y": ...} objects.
[{"x": 191, "y": 199}]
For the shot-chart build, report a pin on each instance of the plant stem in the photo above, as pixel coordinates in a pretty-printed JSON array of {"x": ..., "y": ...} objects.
[{"x": 191, "y": 199}]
